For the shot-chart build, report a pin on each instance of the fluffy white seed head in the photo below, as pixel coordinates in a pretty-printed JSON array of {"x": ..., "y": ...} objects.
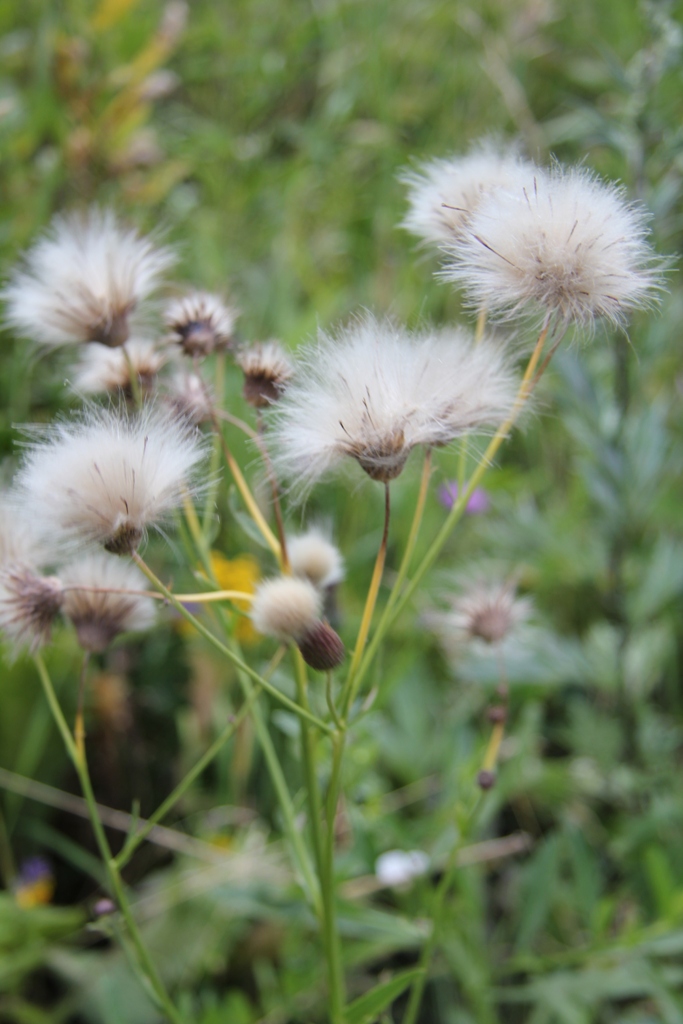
[
  {"x": 83, "y": 280},
  {"x": 29, "y": 605},
  {"x": 374, "y": 392},
  {"x": 314, "y": 557},
  {"x": 286, "y": 608},
  {"x": 267, "y": 369},
  {"x": 201, "y": 323},
  {"x": 106, "y": 476},
  {"x": 100, "y": 369},
  {"x": 443, "y": 194},
  {"x": 99, "y": 614},
  {"x": 486, "y": 610},
  {"x": 567, "y": 243}
]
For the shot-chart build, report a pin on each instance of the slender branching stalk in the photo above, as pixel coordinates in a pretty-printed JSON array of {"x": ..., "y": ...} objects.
[
  {"x": 220, "y": 646},
  {"x": 351, "y": 685},
  {"x": 145, "y": 967}
]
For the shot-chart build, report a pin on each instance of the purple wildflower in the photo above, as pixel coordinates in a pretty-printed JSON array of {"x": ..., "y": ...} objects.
[{"x": 477, "y": 502}]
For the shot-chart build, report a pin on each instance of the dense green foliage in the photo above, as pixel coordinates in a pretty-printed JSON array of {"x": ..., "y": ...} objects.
[{"x": 274, "y": 164}]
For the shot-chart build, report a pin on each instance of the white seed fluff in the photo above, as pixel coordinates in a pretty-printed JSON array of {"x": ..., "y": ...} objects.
[
  {"x": 19, "y": 539},
  {"x": 314, "y": 557},
  {"x": 444, "y": 193},
  {"x": 481, "y": 610},
  {"x": 569, "y": 244},
  {"x": 83, "y": 280},
  {"x": 101, "y": 369},
  {"x": 286, "y": 608},
  {"x": 373, "y": 392},
  {"x": 105, "y": 477},
  {"x": 100, "y": 616}
]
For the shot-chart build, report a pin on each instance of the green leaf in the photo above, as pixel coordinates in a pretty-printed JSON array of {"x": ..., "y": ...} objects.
[{"x": 367, "y": 1008}]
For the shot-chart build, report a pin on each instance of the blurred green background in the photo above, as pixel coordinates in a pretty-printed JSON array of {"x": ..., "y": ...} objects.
[{"x": 266, "y": 140}]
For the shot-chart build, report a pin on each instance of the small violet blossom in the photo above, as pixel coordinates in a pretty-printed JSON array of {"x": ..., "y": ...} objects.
[{"x": 477, "y": 502}]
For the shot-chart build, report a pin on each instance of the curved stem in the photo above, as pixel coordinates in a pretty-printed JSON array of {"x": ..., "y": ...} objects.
[
  {"x": 247, "y": 497},
  {"x": 220, "y": 646},
  {"x": 351, "y": 685},
  {"x": 277, "y": 507},
  {"x": 526, "y": 387}
]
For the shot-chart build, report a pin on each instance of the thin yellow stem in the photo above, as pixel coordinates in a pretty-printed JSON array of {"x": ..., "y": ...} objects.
[
  {"x": 277, "y": 508},
  {"x": 493, "y": 749},
  {"x": 79, "y": 726},
  {"x": 481, "y": 326},
  {"x": 413, "y": 535},
  {"x": 204, "y": 596},
  {"x": 526, "y": 386},
  {"x": 350, "y": 686},
  {"x": 247, "y": 497}
]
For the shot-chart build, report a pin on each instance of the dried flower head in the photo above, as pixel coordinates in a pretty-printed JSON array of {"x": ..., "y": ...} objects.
[
  {"x": 568, "y": 243},
  {"x": 286, "y": 608},
  {"x": 83, "y": 280},
  {"x": 484, "y": 610},
  {"x": 374, "y": 392},
  {"x": 101, "y": 369},
  {"x": 443, "y": 194},
  {"x": 98, "y": 612},
  {"x": 190, "y": 397},
  {"x": 29, "y": 604},
  {"x": 201, "y": 323},
  {"x": 106, "y": 476},
  {"x": 313, "y": 556},
  {"x": 266, "y": 371}
]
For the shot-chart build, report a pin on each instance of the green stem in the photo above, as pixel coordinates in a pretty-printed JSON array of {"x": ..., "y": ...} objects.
[
  {"x": 220, "y": 646},
  {"x": 307, "y": 876},
  {"x": 154, "y": 984},
  {"x": 135, "y": 389},
  {"x": 332, "y": 944},
  {"x": 134, "y": 840},
  {"x": 214, "y": 479},
  {"x": 439, "y": 904},
  {"x": 324, "y": 862},
  {"x": 298, "y": 849}
]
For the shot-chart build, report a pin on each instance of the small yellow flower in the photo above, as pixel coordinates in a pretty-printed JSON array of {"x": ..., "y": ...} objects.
[{"x": 241, "y": 573}]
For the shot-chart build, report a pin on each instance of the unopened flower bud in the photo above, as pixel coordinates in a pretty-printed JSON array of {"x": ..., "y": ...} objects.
[
  {"x": 486, "y": 779},
  {"x": 322, "y": 648},
  {"x": 497, "y": 713},
  {"x": 201, "y": 323},
  {"x": 266, "y": 372}
]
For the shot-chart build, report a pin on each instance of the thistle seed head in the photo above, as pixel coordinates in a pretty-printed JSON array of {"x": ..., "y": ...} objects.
[
  {"x": 84, "y": 281},
  {"x": 201, "y": 323}
]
